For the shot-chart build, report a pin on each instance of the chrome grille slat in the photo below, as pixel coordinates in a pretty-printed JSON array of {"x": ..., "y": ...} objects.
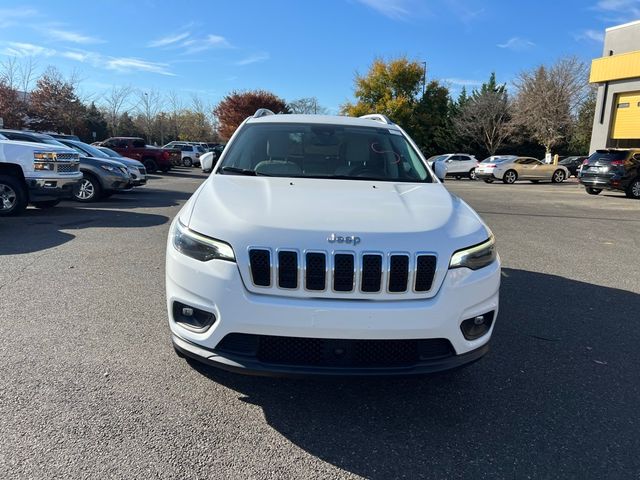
[{"x": 343, "y": 272}]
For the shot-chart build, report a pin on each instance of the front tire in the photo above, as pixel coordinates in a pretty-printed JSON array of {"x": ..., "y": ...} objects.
[
  {"x": 13, "y": 196},
  {"x": 472, "y": 174},
  {"x": 558, "y": 176},
  {"x": 510, "y": 176},
  {"x": 593, "y": 191},
  {"x": 88, "y": 190},
  {"x": 633, "y": 190},
  {"x": 150, "y": 164},
  {"x": 46, "y": 204},
  {"x": 187, "y": 162}
]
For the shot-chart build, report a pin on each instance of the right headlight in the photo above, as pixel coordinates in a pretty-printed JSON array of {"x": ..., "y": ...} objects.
[
  {"x": 475, "y": 257},
  {"x": 200, "y": 247}
]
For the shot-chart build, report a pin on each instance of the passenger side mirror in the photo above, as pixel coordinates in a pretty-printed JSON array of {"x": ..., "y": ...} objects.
[{"x": 440, "y": 170}]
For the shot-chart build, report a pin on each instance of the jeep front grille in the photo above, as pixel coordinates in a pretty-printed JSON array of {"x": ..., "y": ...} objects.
[{"x": 342, "y": 272}]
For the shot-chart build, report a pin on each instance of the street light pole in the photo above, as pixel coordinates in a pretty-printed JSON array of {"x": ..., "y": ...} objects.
[{"x": 424, "y": 77}]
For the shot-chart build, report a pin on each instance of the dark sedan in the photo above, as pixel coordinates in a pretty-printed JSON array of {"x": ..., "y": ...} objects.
[{"x": 573, "y": 164}]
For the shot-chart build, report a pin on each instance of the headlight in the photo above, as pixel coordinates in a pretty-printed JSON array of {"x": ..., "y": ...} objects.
[
  {"x": 43, "y": 166},
  {"x": 41, "y": 156},
  {"x": 475, "y": 257},
  {"x": 198, "y": 246},
  {"x": 110, "y": 168}
]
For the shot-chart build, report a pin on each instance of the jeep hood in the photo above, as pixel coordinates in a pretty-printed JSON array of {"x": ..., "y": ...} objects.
[{"x": 267, "y": 211}]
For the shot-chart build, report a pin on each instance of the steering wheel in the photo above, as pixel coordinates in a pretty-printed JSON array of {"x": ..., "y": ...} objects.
[{"x": 363, "y": 171}]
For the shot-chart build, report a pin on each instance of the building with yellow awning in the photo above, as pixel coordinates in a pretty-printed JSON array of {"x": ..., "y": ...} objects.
[{"x": 617, "y": 74}]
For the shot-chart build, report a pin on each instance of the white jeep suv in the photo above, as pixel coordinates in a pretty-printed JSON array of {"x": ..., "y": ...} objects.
[
  {"x": 458, "y": 164},
  {"x": 325, "y": 245}
]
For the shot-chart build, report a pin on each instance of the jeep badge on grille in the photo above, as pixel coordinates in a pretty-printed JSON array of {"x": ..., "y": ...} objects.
[{"x": 350, "y": 239}]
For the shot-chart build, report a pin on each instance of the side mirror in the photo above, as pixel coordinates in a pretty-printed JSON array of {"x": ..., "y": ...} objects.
[{"x": 440, "y": 170}]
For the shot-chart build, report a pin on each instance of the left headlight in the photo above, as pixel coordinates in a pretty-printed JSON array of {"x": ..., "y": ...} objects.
[
  {"x": 195, "y": 245},
  {"x": 475, "y": 257}
]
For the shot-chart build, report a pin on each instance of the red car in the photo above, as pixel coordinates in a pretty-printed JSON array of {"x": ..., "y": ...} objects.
[{"x": 153, "y": 158}]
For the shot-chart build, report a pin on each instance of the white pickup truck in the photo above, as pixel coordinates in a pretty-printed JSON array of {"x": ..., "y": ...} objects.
[{"x": 36, "y": 174}]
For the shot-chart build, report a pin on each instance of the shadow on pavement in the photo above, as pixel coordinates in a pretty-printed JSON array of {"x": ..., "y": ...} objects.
[
  {"x": 37, "y": 230},
  {"x": 145, "y": 197},
  {"x": 557, "y": 397}
]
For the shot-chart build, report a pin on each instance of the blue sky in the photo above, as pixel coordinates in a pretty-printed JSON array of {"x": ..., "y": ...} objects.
[{"x": 298, "y": 48}]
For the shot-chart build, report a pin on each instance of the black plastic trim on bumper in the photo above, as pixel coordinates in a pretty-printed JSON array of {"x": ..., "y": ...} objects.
[
  {"x": 63, "y": 188},
  {"x": 249, "y": 366}
]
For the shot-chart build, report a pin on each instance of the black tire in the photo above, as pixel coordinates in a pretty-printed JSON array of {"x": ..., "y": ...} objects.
[
  {"x": 88, "y": 190},
  {"x": 509, "y": 177},
  {"x": 633, "y": 190},
  {"x": 13, "y": 196},
  {"x": 558, "y": 176},
  {"x": 150, "y": 164},
  {"x": 187, "y": 162},
  {"x": 593, "y": 191},
  {"x": 472, "y": 174},
  {"x": 488, "y": 180},
  {"x": 45, "y": 204}
]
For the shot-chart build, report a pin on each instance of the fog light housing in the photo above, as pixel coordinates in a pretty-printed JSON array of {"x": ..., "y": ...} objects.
[
  {"x": 475, "y": 327},
  {"x": 192, "y": 318}
]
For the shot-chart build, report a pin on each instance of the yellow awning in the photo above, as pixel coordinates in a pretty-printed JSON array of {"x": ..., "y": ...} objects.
[{"x": 615, "y": 67}]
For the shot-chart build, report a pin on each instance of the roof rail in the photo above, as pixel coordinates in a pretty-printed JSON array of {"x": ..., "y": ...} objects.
[
  {"x": 262, "y": 112},
  {"x": 378, "y": 117}
]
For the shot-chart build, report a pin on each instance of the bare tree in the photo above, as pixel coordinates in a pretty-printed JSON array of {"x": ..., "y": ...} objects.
[
  {"x": 9, "y": 74},
  {"x": 175, "y": 107},
  {"x": 548, "y": 99},
  {"x": 485, "y": 118},
  {"x": 27, "y": 74},
  {"x": 149, "y": 105},
  {"x": 307, "y": 105},
  {"x": 114, "y": 103}
]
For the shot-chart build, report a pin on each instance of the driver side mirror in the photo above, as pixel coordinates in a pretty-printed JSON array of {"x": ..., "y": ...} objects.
[{"x": 440, "y": 170}]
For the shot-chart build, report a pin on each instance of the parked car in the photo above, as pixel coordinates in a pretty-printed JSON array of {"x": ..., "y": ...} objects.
[
  {"x": 153, "y": 158},
  {"x": 612, "y": 169},
  {"x": 355, "y": 260},
  {"x": 136, "y": 170},
  {"x": 101, "y": 177},
  {"x": 485, "y": 168},
  {"x": 190, "y": 153},
  {"x": 36, "y": 174},
  {"x": 573, "y": 164},
  {"x": 528, "y": 168},
  {"x": 459, "y": 165},
  {"x": 138, "y": 179}
]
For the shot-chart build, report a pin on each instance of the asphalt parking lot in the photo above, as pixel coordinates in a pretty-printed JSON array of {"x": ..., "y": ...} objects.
[{"x": 91, "y": 388}]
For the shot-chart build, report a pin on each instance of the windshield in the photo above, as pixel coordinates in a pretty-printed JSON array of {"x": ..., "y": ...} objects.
[
  {"x": 324, "y": 151},
  {"x": 52, "y": 141},
  {"x": 608, "y": 156},
  {"x": 111, "y": 153},
  {"x": 91, "y": 150},
  {"x": 496, "y": 159}
]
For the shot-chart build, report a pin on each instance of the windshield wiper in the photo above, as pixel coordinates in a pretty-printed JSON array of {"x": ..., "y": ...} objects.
[{"x": 241, "y": 171}]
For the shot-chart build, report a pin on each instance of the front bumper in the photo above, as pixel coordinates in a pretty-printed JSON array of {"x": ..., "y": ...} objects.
[
  {"x": 43, "y": 188},
  {"x": 116, "y": 182},
  {"x": 251, "y": 366},
  {"x": 216, "y": 287}
]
